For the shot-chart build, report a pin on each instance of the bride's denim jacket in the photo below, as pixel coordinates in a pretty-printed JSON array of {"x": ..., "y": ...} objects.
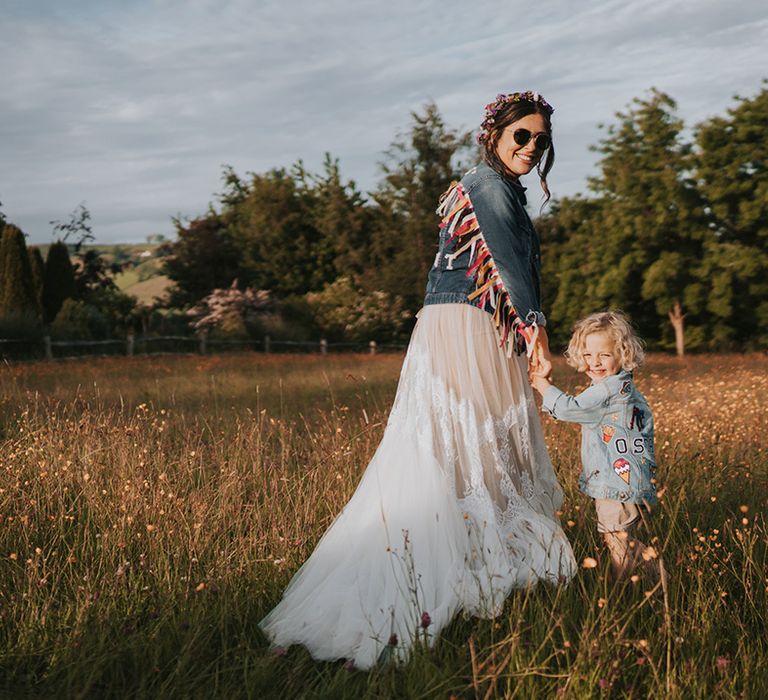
[
  {"x": 489, "y": 254},
  {"x": 617, "y": 453}
]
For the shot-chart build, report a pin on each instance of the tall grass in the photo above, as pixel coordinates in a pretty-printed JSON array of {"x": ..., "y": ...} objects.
[{"x": 152, "y": 510}]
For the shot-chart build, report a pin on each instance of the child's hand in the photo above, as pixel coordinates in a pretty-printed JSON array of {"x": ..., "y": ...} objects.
[{"x": 540, "y": 382}]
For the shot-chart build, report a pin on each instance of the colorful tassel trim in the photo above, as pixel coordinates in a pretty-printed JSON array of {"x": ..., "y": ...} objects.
[{"x": 459, "y": 224}]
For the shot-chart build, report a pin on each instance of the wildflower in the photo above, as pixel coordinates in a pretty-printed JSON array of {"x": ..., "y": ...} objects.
[
  {"x": 589, "y": 563},
  {"x": 744, "y": 509},
  {"x": 426, "y": 620},
  {"x": 722, "y": 663},
  {"x": 279, "y": 651},
  {"x": 200, "y": 587},
  {"x": 349, "y": 665},
  {"x": 392, "y": 640},
  {"x": 604, "y": 684}
]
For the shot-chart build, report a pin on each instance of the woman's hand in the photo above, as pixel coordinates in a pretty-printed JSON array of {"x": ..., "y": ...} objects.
[{"x": 541, "y": 360}]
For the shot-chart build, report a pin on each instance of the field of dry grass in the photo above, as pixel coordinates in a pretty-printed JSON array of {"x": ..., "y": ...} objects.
[{"x": 152, "y": 510}]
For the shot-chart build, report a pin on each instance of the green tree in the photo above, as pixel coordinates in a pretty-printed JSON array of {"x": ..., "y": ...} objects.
[
  {"x": 342, "y": 219},
  {"x": 731, "y": 170},
  {"x": 58, "y": 280},
  {"x": 203, "y": 257},
  {"x": 646, "y": 206},
  {"x": 273, "y": 226},
  {"x": 18, "y": 297},
  {"x": 568, "y": 234},
  {"x": 418, "y": 168}
]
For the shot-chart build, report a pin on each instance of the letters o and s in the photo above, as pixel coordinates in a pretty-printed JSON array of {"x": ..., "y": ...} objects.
[{"x": 638, "y": 446}]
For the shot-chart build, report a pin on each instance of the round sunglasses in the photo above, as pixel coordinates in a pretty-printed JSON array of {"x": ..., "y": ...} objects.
[{"x": 540, "y": 141}]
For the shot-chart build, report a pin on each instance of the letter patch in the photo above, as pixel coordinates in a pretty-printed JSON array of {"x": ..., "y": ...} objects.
[
  {"x": 626, "y": 388},
  {"x": 621, "y": 467}
]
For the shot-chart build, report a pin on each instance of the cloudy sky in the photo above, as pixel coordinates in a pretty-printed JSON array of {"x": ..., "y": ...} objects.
[{"x": 133, "y": 106}]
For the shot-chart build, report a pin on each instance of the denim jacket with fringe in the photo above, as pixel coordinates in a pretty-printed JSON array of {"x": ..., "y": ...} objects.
[
  {"x": 617, "y": 454},
  {"x": 489, "y": 255}
]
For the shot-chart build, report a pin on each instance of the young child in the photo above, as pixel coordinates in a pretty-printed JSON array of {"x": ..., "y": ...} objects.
[{"x": 617, "y": 432}]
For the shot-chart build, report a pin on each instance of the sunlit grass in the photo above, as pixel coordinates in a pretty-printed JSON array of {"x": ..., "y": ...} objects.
[{"x": 153, "y": 509}]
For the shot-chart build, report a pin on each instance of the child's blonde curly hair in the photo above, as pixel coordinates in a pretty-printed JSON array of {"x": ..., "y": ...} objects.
[{"x": 628, "y": 348}]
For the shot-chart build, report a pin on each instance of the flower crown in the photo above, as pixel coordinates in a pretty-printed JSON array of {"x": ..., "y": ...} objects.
[{"x": 502, "y": 100}]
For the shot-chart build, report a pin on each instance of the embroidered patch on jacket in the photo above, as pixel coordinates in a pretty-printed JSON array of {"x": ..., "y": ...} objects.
[
  {"x": 621, "y": 467},
  {"x": 626, "y": 388},
  {"x": 638, "y": 418},
  {"x": 608, "y": 431}
]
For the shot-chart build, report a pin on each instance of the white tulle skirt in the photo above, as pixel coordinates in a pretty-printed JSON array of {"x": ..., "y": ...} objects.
[{"x": 456, "y": 508}]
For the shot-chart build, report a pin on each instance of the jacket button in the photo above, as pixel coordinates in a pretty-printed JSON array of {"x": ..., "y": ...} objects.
[{"x": 623, "y": 495}]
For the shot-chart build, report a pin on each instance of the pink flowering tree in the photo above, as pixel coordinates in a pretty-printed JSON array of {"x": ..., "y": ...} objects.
[{"x": 229, "y": 311}]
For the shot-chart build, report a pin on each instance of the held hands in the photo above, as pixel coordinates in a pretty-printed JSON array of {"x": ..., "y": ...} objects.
[
  {"x": 539, "y": 382},
  {"x": 540, "y": 366}
]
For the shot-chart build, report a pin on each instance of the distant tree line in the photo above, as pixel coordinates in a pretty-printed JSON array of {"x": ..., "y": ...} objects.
[
  {"x": 70, "y": 294},
  {"x": 672, "y": 230}
]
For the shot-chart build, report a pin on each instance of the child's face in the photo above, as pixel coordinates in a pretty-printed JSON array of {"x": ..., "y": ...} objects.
[{"x": 600, "y": 356}]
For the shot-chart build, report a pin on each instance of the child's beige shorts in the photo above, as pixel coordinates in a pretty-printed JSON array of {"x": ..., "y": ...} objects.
[{"x": 615, "y": 516}]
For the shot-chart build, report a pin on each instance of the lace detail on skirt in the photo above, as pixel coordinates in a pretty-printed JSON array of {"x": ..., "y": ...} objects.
[{"x": 456, "y": 508}]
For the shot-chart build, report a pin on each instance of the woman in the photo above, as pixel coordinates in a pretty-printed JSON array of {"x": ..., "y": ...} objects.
[{"x": 457, "y": 506}]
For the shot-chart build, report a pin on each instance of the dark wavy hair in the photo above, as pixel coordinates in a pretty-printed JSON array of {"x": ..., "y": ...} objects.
[{"x": 506, "y": 115}]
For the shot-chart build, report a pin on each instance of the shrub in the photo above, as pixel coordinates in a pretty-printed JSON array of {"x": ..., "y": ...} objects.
[
  {"x": 77, "y": 320},
  {"x": 345, "y": 312}
]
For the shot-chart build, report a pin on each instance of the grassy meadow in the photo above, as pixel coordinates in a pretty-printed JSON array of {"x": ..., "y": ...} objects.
[{"x": 152, "y": 509}]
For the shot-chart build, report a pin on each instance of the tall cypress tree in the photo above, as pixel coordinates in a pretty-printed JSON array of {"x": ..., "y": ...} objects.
[
  {"x": 37, "y": 266},
  {"x": 58, "y": 280},
  {"x": 17, "y": 295}
]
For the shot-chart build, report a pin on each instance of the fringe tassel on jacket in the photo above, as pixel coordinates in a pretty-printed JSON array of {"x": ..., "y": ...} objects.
[{"x": 459, "y": 224}]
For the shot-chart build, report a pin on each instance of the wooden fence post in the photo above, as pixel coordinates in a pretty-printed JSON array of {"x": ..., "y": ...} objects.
[
  {"x": 203, "y": 339},
  {"x": 48, "y": 347},
  {"x": 129, "y": 344},
  {"x": 267, "y": 344},
  {"x": 323, "y": 347},
  {"x": 372, "y": 347}
]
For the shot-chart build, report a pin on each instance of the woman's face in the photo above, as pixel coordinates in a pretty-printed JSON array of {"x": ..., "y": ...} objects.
[{"x": 521, "y": 159}]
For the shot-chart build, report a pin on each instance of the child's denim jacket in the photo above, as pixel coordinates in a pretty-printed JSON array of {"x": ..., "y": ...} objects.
[
  {"x": 489, "y": 254},
  {"x": 616, "y": 438}
]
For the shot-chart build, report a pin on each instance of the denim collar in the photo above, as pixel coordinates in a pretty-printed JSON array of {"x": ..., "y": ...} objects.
[{"x": 513, "y": 182}]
